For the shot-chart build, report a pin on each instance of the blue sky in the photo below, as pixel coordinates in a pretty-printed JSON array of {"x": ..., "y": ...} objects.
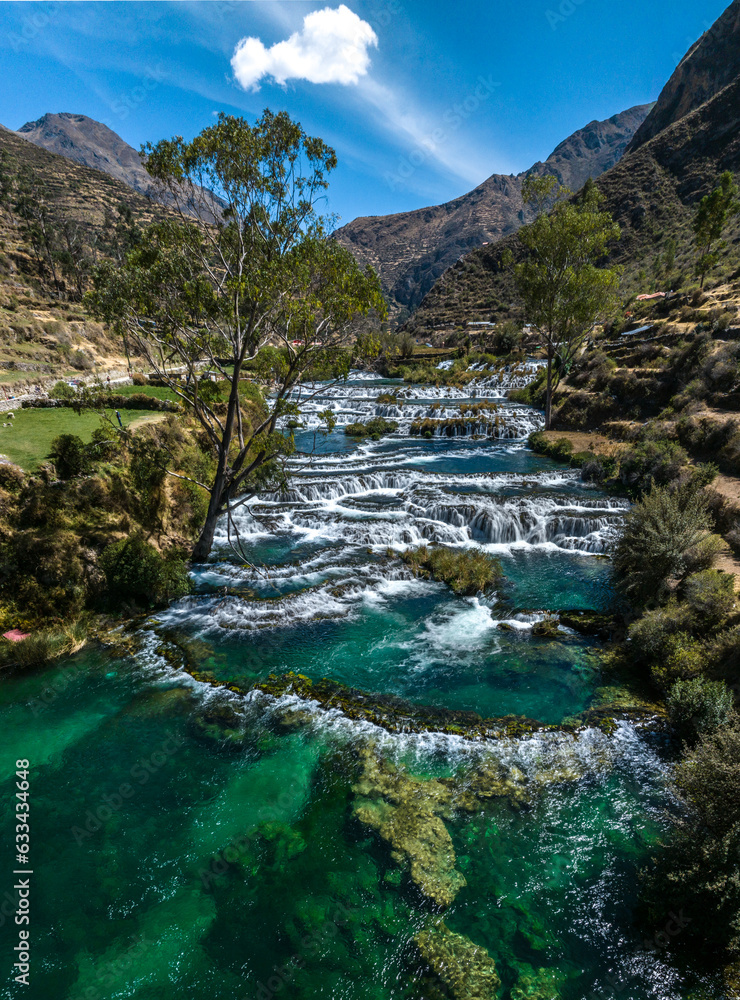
[{"x": 423, "y": 99}]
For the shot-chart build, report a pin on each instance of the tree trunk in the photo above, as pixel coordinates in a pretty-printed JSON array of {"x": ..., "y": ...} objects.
[
  {"x": 548, "y": 397},
  {"x": 203, "y": 546}
]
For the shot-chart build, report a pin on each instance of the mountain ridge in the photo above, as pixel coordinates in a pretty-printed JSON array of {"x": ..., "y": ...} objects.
[
  {"x": 89, "y": 143},
  {"x": 410, "y": 250},
  {"x": 651, "y": 192},
  {"x": 711, "y": 63}
]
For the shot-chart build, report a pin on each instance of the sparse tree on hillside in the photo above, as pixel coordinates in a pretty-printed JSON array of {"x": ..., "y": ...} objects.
[
  {"x": 563, "y": 290},
  {"x": 714, "y": 212},
  {"x": 244, "y": 274}
]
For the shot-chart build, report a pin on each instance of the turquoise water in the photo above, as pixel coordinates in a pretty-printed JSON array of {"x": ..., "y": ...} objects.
[{"x": 187, "y": 841}]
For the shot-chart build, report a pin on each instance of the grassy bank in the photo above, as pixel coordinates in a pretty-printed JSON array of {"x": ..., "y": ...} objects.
[{"x": 26, "y": 439}]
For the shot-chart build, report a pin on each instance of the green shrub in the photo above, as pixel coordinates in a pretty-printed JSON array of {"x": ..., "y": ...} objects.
[
  {"x": 374, "y": 428},
  {"x": 62, "y": 390},
  {"x": 649, "y": 636},
  {"x": 711, "y": 596},
  {"x": 651, "y": 463},
  {"x": 12, "y": 476},
  {"x": 135, "y": 571},
  {"x": 698, "y": 706},
  {"x": 697, "y": 867},
  {"x": 684, "y": 657},
  {"x": 69, "y": 455},
  {"x": 702, "y": 555},
  {"x": 660, "y": 533},
  {"x": 466, "y": 571}
]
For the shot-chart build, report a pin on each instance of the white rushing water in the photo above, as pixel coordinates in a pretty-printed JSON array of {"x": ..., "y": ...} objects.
[{"x": 344, "y": 510}]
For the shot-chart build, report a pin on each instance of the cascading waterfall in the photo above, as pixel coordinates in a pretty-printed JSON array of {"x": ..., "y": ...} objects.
[{"x": 283, "y": 826}]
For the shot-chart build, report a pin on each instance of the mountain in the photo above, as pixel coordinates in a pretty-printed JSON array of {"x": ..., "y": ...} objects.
[
  {"x": 91, "y": 144},
  {"x": 709, "y": 65},
  {"x": 410, "y": 250},
  {"x": 652, "y": 193}
]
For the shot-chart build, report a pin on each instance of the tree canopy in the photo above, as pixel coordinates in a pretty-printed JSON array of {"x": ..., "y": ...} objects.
[
  {"x": 563, "y": 288},
  {"x": 241, "y": 273}
]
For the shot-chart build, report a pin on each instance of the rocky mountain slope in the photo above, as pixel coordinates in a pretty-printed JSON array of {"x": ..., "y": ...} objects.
[
  {"x": 44, "y": 332},
  {"x": 651, "y": 192},
  {"x": 90, "y": 144},
  {"x": 709, "y": 65},
  {"x": 411, "y": 250}
]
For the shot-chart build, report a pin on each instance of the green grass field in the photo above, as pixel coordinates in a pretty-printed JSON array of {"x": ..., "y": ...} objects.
[
  {"x": 156, "y": 391},
  {"x": 27, "y": 439}
]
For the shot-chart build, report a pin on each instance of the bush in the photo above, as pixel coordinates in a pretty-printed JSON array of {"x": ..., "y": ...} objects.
[
  {"x": 699, "y": 706},
  {"x": 711, "y": 596},
  {"x": 135, "y": 571},
  {"x": 62, "y": 390},
  {"x": 374, "y": 428},
  {"x": 650, "y": 635},
  {"x": 651, "y": 463},
  {"x": 697, "y": 868},
  {"x": 80, "y": 361},
  {"x": 12, "y": 476},
  {"x": 466, "y": 571},
  {"x": 69, "y": 455},
  {"x": 139, "y": 379},
  {"x": 660, "y": 534},
  {"x": 507, "y": 337},
  {"x": 702, "y": 555},
  {"x": 684, "y": 657}
]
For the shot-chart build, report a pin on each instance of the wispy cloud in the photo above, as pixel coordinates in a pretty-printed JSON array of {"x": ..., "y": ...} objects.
[
  {"x": 426, "y": 136},
  {"x": 331, "y": 47}
]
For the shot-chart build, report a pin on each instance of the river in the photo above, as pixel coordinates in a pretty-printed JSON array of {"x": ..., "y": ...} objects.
[{"x": 191, "y": 841}]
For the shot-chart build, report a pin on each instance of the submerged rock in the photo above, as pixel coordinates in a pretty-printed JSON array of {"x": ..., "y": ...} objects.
[
  {"x": 465, "y": 970},
  {"x": 595, "y": 623},
  {"x": 538, "y": 984},
  {"x": 490, "y": 779},
  {"x": 406, "y": 813},
  {"x": 220, "y": 723}
]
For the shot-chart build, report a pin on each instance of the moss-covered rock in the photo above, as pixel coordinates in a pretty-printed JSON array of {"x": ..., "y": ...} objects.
[
  {"x": 464, "y": 970},
  {"x": 406, "y": 814},
  {"x": 538, "y": 984}
]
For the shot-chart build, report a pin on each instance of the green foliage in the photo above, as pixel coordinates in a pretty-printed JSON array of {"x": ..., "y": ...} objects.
[
  {"x": 651, "y": 634},
  {"x": 135, "y": 571},
  {"x": 698, "y": 867},
  {"x": 466, "y": 571},
  {"x": 148, "y": 471},
  {"x": 532, "y": 394},
  {"x": 699, "y": 706},
  {"x": 712, "y": 216},
  {"x": 375, "y": 428},
  {"x": 563, "y": 289},
  {"x": 651, "y": 463},
  {"x": 662, "y": 532},
  {"x": 215, "y": 282},
  {"x": 70, "y": 456},
  {"x": 711, "y": 597},
  {"x": 507, "y": 338},
  {"x": 62, "y": 390}
]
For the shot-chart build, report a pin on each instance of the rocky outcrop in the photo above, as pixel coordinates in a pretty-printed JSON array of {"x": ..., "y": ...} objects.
[
  {"x": 710, "y": 64},
  {"x": 411, "y": 250},
  {"x": 464, "y": 970},
  {"x": 90, "y": 143},
  {"x": 406, "y": 814}
]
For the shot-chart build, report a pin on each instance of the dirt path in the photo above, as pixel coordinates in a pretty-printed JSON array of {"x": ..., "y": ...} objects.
[
  {"x": 155, "y": 418},
  {"x": 587, "y": 441}
]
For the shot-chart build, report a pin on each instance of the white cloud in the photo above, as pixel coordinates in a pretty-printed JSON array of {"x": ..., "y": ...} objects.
[{"x": 331, "y": 47}]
